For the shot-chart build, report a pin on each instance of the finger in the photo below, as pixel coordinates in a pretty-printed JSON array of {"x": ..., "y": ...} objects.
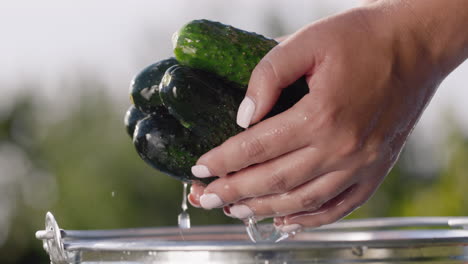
[
  {"x": 281, "y": 66},
  {"x": 196, "y": 190},
  {"x": 275, "y": 176},
  {"x": 269, "y": 139},
  {"x": 335, "y": 209},
  {"x": 307, "y": 197},
  {"x": 193, "y": 201}
]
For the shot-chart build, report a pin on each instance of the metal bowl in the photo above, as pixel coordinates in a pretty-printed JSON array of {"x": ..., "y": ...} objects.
[{"x": 380, "y": 240}]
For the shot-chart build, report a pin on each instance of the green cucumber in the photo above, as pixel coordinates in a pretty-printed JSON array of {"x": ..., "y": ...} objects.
[
  {"x": 184, "y": 110},
  {"x": 163, "y": 143},
  {"x": 144, "y": 88},
  {"x": 207, "y": 105},
  {"x": 202, "y": 102},
  {"x": 132, "y": 116},
  {"x": 221, "y": 49}
]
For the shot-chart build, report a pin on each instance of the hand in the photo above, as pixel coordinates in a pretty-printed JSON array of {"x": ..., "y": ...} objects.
[{"x": 370, "y": 79}]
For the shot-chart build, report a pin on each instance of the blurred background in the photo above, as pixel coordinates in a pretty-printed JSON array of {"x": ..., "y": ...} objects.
[{"x": 65, "y": 69}]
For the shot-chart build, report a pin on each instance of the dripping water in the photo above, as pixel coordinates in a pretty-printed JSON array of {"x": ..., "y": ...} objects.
[
  {"x": 184, "y": 217},
  {"x": 257, "y": 232}
]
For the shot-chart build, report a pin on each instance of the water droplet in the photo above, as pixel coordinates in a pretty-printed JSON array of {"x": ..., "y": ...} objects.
[{"x": 184, "y": 220}]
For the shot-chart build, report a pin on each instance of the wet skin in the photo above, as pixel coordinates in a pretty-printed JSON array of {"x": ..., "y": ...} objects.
[{"x": 371, "y": 72}]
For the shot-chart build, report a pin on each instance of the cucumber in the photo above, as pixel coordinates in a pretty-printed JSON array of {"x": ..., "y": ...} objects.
[
  {"x": 207, "y": 105},
  {"x": 202, "y": 102},
  {"x": 221, "y": 49},
  {"x": 163, "y": 143},
  {"x": 132, "y": 116},
  {"x": 144, "y": 88},
  {"x": 186, "y": 106}
]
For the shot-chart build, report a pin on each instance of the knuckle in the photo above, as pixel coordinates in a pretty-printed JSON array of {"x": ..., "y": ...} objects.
[
  {"x": 233, "y": 196},
  {"x": 323, "y": 115},
  {"x": 327, "y": 219},
  {"x": 266, "y": 70},
  {"x": 215, "y": 160},
  {"x": 372, "y": 158},
  {"x": 350, "y": 146},
  {"x": 231, "y": 193},
  {"x": 253, "y": 148},
  {"x": 310, "y": 202},
  {"x": 278, "y": 183},
  {"x": 321, "y": 221}
]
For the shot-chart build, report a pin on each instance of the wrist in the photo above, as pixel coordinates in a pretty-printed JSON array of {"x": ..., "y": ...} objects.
[{"x": 430, "y": 31}]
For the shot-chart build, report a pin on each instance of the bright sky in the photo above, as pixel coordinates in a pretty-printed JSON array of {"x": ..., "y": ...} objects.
[{"x": 50, "y": 39}]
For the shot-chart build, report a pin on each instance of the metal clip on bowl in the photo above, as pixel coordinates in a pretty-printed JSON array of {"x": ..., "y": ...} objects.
[{"x": 52, "y": 240}]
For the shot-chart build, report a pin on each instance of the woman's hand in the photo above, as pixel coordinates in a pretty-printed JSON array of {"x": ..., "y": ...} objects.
[{"x": 370, "y": 79}]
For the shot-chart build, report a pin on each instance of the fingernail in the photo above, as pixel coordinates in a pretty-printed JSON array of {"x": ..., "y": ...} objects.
[
  {"x": 290, "y": 228},
  {"x": 227, "y": 211},
  {"x": 201, "y": 171},
  {"x": 241, "y": 211},
  {"x": 245, "y": 112},
  {"x": 192, "y": 201},
  {"x": 210, "y": 201}
]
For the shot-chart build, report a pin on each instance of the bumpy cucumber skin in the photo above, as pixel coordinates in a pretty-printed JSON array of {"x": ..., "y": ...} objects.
[
  {"x": 144, "y": 89},
  {"x": 163, "y": 143},
  {"x": 194, "y": 110},
  {"x": 222, "y": 49},
  {"x": 132, "y": 116},
  {"x": 202, "y": 102}
]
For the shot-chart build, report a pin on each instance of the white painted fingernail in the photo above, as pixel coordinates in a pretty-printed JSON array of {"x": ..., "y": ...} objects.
[
  {"x": 210, "y": 201},
  {"x": 290, "y": 228},
  {"x": 241, "y": 211},
  {"x": 201, "y": 171},
  {"x": 245, "y": 112}
]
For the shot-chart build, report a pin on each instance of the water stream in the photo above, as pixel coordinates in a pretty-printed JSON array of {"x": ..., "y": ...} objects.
[
  {"x": 184, "y": 218},
  {"x": 256, "y": 232}
]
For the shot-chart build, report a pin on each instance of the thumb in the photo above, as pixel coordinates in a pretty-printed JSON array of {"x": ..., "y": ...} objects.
[{"x": 281, "y": 66}]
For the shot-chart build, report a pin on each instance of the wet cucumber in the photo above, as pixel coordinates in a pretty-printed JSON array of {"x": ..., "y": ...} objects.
[
  {"x": 207, "y": 105},
  {"x": 182, "y": 112},
  {"x": 144, "y": 88},
  {"x": 221, "y": 49},
  {"x": 202, "y": 102},
  {"x": 132, "y": 116},
  {"x": 163, "y": 143},
  {"x": 231, "y": 53}
]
